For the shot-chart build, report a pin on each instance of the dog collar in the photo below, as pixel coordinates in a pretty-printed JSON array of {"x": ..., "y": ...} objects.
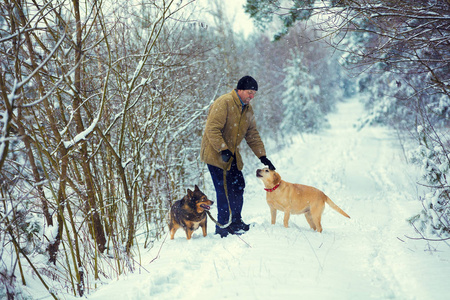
[{"x": 272, "y": 189}]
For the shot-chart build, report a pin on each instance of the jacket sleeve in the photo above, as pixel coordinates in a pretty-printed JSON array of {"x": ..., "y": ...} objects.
[
  {"x": 215, "y": 125},
  {"x": 253, "y": 138}
]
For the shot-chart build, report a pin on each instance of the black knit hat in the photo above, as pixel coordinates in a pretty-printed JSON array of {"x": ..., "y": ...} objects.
[{"x": 247, "y": 83}]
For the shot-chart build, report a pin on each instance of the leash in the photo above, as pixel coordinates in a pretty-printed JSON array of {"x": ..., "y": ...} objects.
[
  {"x": 225, "y": 182},
  {"x": 226, "y": 195}
]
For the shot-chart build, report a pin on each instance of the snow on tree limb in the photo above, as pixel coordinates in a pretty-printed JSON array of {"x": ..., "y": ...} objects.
[{"x": 82, "y": 135}]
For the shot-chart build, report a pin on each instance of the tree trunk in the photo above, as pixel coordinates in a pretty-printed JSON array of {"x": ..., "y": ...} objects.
[{"x": 97, "y": 227}]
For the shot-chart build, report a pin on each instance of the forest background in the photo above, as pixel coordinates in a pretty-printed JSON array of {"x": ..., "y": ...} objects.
[{"x": 103, "y": 104}]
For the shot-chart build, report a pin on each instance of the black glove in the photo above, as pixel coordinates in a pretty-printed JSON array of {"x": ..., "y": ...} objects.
[
  {"x": 267, "y": 162},
  {"x": 226, "y": 155}
]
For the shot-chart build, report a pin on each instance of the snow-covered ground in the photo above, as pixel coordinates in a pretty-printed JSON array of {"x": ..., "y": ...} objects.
[{"x": 365, "y": 257}]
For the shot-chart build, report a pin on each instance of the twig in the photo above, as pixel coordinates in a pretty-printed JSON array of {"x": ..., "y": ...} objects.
[
  {"x": 427, "y": 239},
  {"x": 313, "y": 250},
  {"x": 159, "y": 251},
  {"x": 243, "y": 240}
]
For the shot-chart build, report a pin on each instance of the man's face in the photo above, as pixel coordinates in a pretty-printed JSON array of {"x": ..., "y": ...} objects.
[{"x": 246, "y": 95}]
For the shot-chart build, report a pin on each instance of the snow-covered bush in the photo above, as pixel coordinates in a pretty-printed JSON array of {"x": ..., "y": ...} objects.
[{"x": 432, "y": 155}]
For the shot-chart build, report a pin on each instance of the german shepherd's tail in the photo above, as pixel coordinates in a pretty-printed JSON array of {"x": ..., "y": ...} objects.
[{"x": 336, "y": 208}]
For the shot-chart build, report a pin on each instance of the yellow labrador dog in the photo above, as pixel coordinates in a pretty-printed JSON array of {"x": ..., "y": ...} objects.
[{"x": 294, "y": 199}]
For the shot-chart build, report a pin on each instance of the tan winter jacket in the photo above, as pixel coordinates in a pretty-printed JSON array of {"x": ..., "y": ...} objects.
[{"x": 227, "y": 125}]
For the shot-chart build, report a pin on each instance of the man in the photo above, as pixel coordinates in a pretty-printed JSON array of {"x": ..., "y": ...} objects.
[{"x": 230, "y": 120}]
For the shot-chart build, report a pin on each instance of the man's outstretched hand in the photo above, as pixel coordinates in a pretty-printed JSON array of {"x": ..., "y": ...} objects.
[{"x": 267, "y": 162}]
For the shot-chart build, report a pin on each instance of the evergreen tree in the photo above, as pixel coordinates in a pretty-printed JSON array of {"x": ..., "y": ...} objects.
[{"x": 301, "y": 98}]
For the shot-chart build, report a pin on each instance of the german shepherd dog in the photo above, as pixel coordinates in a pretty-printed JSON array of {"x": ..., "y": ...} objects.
[{"x": 189, "y": 213}]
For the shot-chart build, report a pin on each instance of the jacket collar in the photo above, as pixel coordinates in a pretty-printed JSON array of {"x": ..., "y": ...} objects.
[{"x": 243, "y": 105}]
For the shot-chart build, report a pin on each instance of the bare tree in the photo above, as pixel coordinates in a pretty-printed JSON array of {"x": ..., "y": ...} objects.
[{"x": 96, "y": 115}]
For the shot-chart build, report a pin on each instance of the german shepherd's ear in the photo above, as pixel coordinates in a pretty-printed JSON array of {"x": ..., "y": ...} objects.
[
  {"x": 190, "y": 193},
  {"x": 196, "y": 189}
]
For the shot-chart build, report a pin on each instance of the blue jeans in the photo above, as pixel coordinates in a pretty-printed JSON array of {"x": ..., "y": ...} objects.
[{"x": 235, "y": 187}]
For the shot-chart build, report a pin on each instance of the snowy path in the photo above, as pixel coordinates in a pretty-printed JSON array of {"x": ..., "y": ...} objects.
[{"x": 366, "y": 257}]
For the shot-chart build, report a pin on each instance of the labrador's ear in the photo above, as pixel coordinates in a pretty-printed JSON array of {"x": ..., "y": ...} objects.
[{"x": 276, "y": 178}]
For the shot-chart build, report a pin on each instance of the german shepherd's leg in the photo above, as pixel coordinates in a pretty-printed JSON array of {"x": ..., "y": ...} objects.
[
  {"x": 189, "y": 229},
  {"x": 189, "y": 233},
  {"x": 273, "y": 214},
  {"x": 203, "y": 225},
  {"x": 287, "y": 215},
  {"x": 310, "y": 220},
  {"x": 173, "y": 228}
]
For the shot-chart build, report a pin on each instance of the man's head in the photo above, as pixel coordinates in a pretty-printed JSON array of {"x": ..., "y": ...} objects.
[{"x": 246, "y": 88}]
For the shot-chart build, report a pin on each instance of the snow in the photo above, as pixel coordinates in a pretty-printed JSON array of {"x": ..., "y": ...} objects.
[
  {"x": 366, "y": 257},
  {"x": 234, "y": 10},
  {"x": 82, "y": 135},
  {"x": 51, "y": 232},
  {"x": 4, "y": 119}
]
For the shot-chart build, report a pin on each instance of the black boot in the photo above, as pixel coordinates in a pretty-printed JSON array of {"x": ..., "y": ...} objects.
[
  {"x": 223, "y": 232},
  {"x": 239, "y": 227}
]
